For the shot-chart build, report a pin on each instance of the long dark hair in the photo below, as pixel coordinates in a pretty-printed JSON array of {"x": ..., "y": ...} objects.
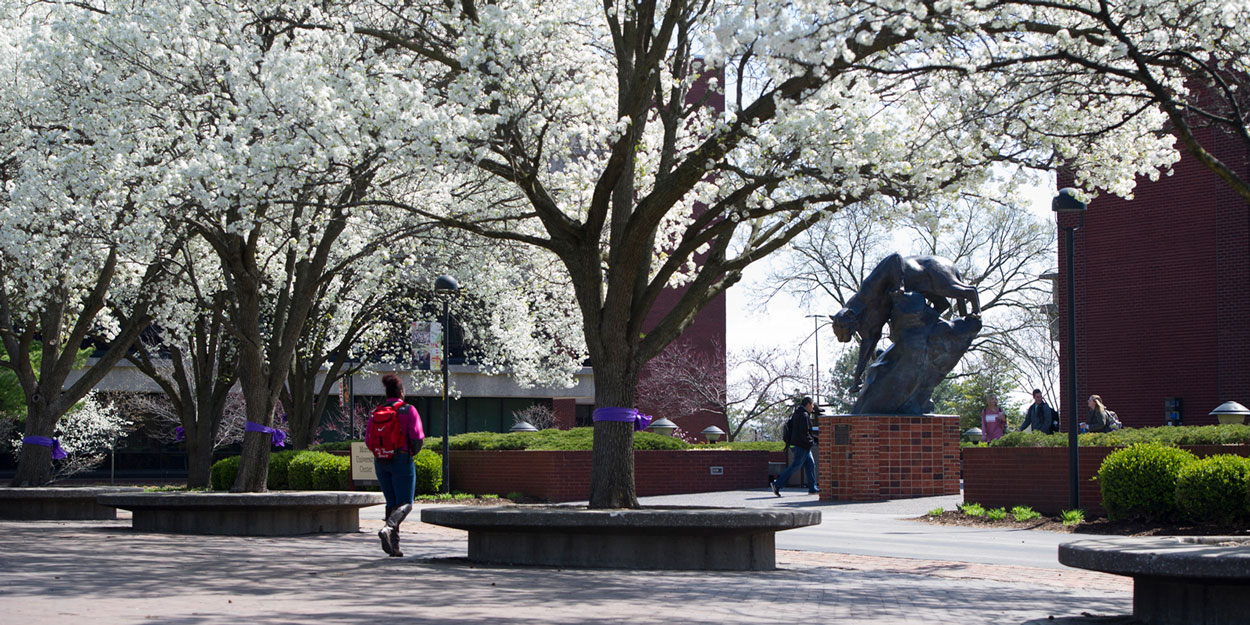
[{"x": 394, "y": 386}]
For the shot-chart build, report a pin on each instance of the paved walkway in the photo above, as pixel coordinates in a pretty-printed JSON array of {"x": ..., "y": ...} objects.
[{"x": 102, "y": 572}]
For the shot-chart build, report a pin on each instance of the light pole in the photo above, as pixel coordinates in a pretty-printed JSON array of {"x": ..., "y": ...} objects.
[
  {"x": 1066, "y": 202},
  {"x": 815, "y": 337},
  {"x": 445, "y": 288}
]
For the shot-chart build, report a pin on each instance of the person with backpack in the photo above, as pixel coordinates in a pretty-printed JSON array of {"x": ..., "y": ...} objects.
[
  {"x": 394, "y": 435},
  {"x": 1101, "y": 419},
  {"x": 1040, "y": 417},
  {"x": 798, "y": 434}
]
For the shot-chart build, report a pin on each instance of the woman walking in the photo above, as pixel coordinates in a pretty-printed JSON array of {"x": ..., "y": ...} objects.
[
  {"x": 394, "y": 436},
  {"x": 993, "y": 420}
]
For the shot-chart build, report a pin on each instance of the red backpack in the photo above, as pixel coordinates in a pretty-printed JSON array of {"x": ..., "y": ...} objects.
[{"x": 386, "y": 434}]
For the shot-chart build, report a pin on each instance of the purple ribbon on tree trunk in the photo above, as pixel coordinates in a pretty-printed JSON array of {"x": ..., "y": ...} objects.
[
  {"x": 44, "y": 441},
  {"x": 624, "y": 415},
  {"x": 179, "y": 433},
  {"x": 279, "y": 437}
]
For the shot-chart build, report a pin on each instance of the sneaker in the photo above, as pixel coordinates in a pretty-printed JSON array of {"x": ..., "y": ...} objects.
[
  {"x": 384, "y": 535},
  {"x": 777, "y": 488},
  {"x": 813, "y": 491}
]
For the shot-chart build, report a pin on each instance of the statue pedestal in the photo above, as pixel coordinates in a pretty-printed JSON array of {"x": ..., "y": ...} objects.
[{"x": 880, "y": 457}]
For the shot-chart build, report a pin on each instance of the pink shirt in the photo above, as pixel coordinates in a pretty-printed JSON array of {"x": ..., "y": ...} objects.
[
  {"x": 993, "y": 424},
  {"x": 411, "y": 420}
]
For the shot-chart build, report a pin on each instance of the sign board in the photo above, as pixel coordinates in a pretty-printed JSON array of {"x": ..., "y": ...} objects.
[
  {"x": 362, "y": 464},
  {"x": 427, "y": 339}
]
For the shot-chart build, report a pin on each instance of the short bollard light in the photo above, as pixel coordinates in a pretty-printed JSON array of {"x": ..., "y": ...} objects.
[
  {"x": 523, "y": 426},
  {"x": 972, "y": 434},
  {"x": 713, "y": 433},
  {"x": 662, "y": 426},
  {"x": 1231, "y": 412}
]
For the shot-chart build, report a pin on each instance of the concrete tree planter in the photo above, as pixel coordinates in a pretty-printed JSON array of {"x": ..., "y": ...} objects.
[
  {"x": 1176, "y": 580},
  {"x": 659, "y": 538},
  {"x": 54, "y": 503},
  {"x": 284, "y": 513}
]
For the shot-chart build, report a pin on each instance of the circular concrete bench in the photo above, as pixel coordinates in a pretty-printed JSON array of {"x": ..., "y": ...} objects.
[
  {"x": 663, "y": 538},
  {"x": 245, "y": 514},
  {"x": 54, "y": 503},
  {"x": 1176, "y": 579}
]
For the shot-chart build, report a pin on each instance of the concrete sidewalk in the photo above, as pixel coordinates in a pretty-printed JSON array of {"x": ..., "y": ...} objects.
[{"x": 103, "y": 572}]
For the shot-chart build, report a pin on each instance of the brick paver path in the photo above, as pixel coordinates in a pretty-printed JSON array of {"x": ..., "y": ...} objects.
[{"x": 102, "y": 572}]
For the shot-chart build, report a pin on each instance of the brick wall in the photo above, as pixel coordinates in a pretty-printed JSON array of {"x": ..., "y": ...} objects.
[
  {"x": 874, "y": 458},
  {"x": 1038, "y": 476},
  {"x": 1162, "y": 296},
  {"x": 565, "y": 475}
]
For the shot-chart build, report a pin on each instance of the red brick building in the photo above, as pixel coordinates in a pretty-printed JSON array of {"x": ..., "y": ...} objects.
[{"x": 1162, "y": 296}]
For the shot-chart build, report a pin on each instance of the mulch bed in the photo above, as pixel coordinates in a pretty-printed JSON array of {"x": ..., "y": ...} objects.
[{"x": 1102, "y": 527}]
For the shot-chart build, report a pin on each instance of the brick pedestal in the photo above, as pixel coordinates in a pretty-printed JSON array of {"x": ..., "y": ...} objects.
[{"x": 879, "y": 457}]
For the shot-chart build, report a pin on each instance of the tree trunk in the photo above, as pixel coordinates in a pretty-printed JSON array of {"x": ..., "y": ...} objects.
[
  {"x": 612, "y": 461},
  {"x": 34, "y": 464},
  {"x": 299, "y": 409},
  {"x": 254, "y": 465},
  {"x": 199, "y": 456}
]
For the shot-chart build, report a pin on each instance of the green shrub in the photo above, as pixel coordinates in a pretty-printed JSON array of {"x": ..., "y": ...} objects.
[
  {"x": 317, "y": 470},
  {"x": 936, "y": 511},
  {"x": 746, "y": 445},
  {"x": 650, "y": 441},
  {"x": 278, "y": 465},
  {"x": 334, "y": 446},
  {"x": 972, "y": 509},
  {"x": 1072, "y": 517},
  {"x": 1024, "y": 513},
  {"x": 1168, "y": 435},
  {"x": 429, "y": 471},
  {"x": 223, "y": 472},
  {"x": 1214, "y": 489},
  {"x": 1140, "y": 481},
  {"x": 997, "y": 514}
]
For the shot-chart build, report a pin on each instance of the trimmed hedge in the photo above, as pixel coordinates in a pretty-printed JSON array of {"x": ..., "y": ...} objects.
[
  {"x": 1214, "y": 489},
  {"x": 318, "y": 470},
  {"x": 576, "y": 439},
  {"x": 223, "y": 472},
  {"x": 279, "y": 463},
  {"x": 429, "y": 472},
  {"x": 1140, "y": 482},
  {"x": 744, "y": 446},
  {"x": 1183, "y": 435}
]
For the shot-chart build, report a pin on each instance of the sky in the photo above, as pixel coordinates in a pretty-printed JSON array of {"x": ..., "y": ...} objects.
[{"x": 753, "y": 322}]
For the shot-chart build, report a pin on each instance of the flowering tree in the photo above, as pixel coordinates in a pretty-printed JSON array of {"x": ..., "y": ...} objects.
[
  {"x": 82, "y": 228},
  {"x": 575, "y": 128},
  {"x": 570, "y": 126},
  {"x": 1190, "y": 60}
]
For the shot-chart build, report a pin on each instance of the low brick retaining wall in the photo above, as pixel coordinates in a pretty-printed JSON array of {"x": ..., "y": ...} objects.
[
  {"x": 1038, "y": 476},
  {"x": 565, "y": 475}
]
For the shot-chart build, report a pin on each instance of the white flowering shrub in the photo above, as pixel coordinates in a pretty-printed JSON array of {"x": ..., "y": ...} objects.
[{"x": 87, "y": 433}]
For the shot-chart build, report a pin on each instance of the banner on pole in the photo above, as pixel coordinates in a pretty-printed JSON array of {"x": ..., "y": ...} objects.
[{"x": 427, "y": 339}]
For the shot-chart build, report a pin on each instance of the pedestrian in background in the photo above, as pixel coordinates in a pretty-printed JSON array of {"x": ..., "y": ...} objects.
[
  {"x": 799, "y": 435},
  {"x": 993, "y": 420},
  {"x": 1040, "y": 417}
]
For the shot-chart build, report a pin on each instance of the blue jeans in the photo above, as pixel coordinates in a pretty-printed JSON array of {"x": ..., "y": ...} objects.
[
  {"x": 802, "y": 458},
  {"x": 398, "y": 479}
]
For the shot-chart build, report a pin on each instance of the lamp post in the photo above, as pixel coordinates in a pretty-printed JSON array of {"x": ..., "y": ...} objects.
[
  {"x": 1066, "y": 202},
  {"x": 445, "y": 288},
  {"x": 816, "y": 338}
]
